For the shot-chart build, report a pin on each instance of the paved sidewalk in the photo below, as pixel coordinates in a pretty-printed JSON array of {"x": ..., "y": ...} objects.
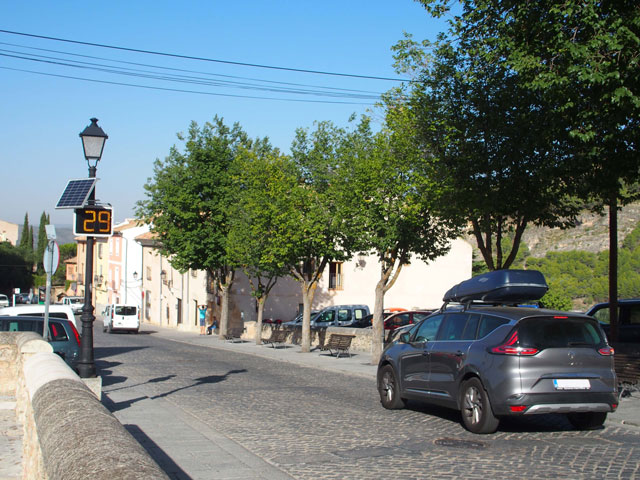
[{"x": 10, "y": 440}]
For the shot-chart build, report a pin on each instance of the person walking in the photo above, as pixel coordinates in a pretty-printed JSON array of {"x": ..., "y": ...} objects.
[{"x": 202, "y": 310}]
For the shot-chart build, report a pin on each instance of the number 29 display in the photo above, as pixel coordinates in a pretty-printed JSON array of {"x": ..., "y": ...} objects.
[{"x": 93, "y": 221}]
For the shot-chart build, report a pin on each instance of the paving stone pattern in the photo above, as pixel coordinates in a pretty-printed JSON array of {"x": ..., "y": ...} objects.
[
  {"x": 10, "y": 441},
  {"x": 306, "y": 423}
]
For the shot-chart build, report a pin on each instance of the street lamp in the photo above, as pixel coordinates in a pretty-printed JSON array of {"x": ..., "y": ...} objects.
[{"x": 93, "y": 140}]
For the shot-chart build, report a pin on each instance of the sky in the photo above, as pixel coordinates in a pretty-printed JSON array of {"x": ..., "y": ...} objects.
[{"x": 49, "y": 89}]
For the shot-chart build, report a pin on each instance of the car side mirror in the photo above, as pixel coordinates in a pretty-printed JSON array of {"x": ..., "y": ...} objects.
[{"x": 404, "y": 338}]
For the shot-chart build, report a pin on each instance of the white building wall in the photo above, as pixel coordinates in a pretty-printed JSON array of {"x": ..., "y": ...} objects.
[
  {"x": 420, "y": 285},
  {"x": 282, "y": 303}
]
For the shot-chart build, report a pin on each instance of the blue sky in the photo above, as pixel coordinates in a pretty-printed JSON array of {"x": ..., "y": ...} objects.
[{"x": 43, "y": 115}]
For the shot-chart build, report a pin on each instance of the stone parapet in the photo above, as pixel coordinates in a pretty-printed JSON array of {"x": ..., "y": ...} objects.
[{"x": 68, "y": 433}]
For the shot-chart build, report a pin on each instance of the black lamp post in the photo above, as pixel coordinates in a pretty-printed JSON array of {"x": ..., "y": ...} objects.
[{"x": 93, "y": 140}]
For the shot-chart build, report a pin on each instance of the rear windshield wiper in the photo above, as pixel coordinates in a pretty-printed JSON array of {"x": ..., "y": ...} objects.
[{"x": 580, "y": 344}]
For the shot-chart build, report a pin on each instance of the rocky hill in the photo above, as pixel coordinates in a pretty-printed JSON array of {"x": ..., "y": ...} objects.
[{"x": 591, "y": 234}]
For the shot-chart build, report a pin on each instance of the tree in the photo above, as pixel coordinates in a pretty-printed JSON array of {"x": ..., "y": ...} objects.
[
  {"x": 489, "y": 145},
  {"x": 15, "y": 268},
  {"x": 388, "y": 195},
  {"x": 581, "y": 58},
  {"x": 188, "y": 202},
  {"x": 24, "y": 235},
  {"x": 42, "y": 241},
  {"x": 259, "y": 182},
  {"x": 312, "y": 232}
]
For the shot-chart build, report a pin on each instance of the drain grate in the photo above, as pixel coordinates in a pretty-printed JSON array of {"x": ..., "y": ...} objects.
[{"x": 458, "y": 443}]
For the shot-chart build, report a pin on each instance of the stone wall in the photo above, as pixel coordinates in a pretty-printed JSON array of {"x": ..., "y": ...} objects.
[
  {"x": 361, "y": 342},
  {"x": 68, "y": 433}
]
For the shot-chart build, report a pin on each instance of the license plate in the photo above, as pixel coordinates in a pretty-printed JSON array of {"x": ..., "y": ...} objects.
[{"x": 572, "y": 384}]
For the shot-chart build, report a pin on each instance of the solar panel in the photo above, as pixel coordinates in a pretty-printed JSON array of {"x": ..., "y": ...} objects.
[{"x": 76, "y": 193}]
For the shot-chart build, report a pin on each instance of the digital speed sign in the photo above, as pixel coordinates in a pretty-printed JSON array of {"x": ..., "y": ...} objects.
[{"x": 93, "y": 221}]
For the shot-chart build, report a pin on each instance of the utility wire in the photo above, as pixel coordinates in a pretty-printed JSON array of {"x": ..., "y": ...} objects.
[
  {"x": 93, "y": 57},
  {"x": 203, "y": 59},
  {"x": 179, "y": 78},
  {"x": 181, "y": 90}
]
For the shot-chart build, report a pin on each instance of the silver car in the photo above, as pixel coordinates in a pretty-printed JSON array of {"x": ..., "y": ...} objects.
[{"x": 492, "y": 361}]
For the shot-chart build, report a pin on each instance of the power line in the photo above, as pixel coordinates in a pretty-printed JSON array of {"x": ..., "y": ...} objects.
[
  {"x": 173, "y": 69},
  {"x": 181, "y": 90},
  {"x": 181, "y": 78},
  {"x": 203, "y": 59}
]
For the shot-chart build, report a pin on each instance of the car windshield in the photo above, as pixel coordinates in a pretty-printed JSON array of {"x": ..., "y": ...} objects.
[
  {"x": 559, "y": 332},
  {"x": 125, "y": 310},
  {"x": 76, "y": 300}
]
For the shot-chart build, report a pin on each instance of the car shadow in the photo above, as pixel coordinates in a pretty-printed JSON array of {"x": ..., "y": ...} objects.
[{"x": 524, "y": 424}]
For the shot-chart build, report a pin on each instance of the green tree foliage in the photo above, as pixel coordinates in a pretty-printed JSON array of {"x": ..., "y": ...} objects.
[
  {"x": 262, "y": 178},
  {"x": 188, "y": 202},
  {"x": 556, "y": 300},
  {"x": 386, "y": 192},
  {"x": 15, "y": 269},
  {"x": 42, "y": 241},
  {"x": 24, "y": 235},
  {"x": 581, "y": 58},
  {"x": 582, "y": 276},
  {"x": 488, "y": 139},
  {"x": 313, "y": 233},
  {"x": 67, "y": 251}
]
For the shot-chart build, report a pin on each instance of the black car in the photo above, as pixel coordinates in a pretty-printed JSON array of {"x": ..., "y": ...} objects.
[
  {"x": 489, "y": 358},
  {"x": 628, "y": 319}
]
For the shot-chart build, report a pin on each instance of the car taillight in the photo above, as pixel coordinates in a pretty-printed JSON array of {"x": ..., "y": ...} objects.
[
  {"x": 606, "y": 351},
  {"x": 75, "y": 332},
  {"x": 510, "y": 347},
  {"x": 518, "y": 408}
]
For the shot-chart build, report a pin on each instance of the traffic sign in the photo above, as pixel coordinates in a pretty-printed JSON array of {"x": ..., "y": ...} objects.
[{"x": 51, "y": 258}]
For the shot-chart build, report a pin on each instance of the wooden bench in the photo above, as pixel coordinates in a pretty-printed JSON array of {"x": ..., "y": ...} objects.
[
  {"x": 234, "y": 335},
  {"x": 277, "y": 338},
  {"x": 627, "y": 369},
  {"x": 338, "y": 344}
]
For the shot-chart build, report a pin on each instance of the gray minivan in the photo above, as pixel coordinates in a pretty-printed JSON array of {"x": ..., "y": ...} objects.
[
  {"x": 495, "y": 359},
  {"x": 339, "y": 316}
]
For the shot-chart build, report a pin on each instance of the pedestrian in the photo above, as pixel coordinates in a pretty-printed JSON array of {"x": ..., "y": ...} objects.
[
  {"x": 214, "y": 325},
  {"x": 202, "y": 310}
]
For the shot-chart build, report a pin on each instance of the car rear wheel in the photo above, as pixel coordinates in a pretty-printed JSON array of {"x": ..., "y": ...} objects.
[
  {"x": 477, "y": 414},
  {"x": 587, "y": 420},
  {"x": 389, "y": 389}
]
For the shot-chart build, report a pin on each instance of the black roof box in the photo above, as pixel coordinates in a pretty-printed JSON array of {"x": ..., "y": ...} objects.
[{"x": 500, "y": 286}]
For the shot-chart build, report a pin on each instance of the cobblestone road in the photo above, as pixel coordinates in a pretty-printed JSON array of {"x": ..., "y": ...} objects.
[{"x": 314, "y": 424}]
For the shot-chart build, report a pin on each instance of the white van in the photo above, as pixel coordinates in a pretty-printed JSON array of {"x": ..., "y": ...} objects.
[
  {"x": 76, "y": 303},
  {"x": 55, "y": 311},
  {"x": 121, "y": 317}
]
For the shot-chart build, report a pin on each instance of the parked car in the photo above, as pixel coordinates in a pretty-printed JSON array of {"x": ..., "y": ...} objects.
[
  {"x": 495, "y": 359},
  {"x": 339, "y": 316},
  {"x": 401, "y": 319},
  {"x": 297, "y": 322},
  {"x": 118, "y": 317},
  {"x": 4, "y": 300},
  {"x": 628, "y": 319},
  {"x": 55, "y": 311},
  {"x": 272, "y": 321},
  {"x": 63, "y": 336},
  {"x": 76, "y": 303}
]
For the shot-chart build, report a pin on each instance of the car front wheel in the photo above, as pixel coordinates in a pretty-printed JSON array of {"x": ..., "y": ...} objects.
[
  {"x": 389, "y": 389},
  {"x": 477, "y": 414},
  {"x": 587, "y": 420}
]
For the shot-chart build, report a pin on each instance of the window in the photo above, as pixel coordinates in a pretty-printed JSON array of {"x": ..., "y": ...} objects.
[
  {"x": 360, "y": 313},
  {"x": 326, "y": 316},
  {"x": 344, "y": 315},
  {"x": 148, "y": 273},
  {"x": 428, "y": 329},
  {"x": 488, "y": 324},
  {"x": 453, "y": 326},
  {"x": 100, "y": 250},
  {"x": 335, "y": 276}
]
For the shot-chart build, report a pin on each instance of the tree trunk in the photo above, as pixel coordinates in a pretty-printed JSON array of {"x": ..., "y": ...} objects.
[
  {"x": 308, "y": 292},
  {"x": 224, "y": 310},
  {"x": 377, "y": 341},
  {"x": 613, "y": 267},
  {"x": 258, "y": 336}
]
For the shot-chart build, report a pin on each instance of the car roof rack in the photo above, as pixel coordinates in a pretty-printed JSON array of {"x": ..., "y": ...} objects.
[{"x": 500, "y": 287}]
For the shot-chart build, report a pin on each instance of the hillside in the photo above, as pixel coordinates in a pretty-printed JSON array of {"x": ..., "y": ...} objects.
[{"x": 590, "y": 235}]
